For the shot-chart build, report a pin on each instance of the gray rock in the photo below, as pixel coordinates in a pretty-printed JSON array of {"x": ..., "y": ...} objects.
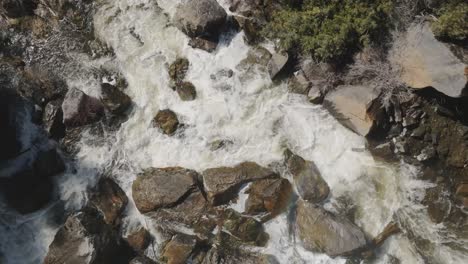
[
  {"x": 350, "y": 105},
  {"x": 80, "y": 109},
  {"x": 419, "y": 132},
  {"x": 186, "y": 91},
  {"x": 307, "y": 178},
  {"x": 323, "y": 232},
  {"x": 299, "y": 84},
  {"x": 114, "y": 100},
  {"x": 157, "y": 188},
  {"x": 276, "y": 64},
  {"x": 53, "y": 120},
  {"x": 222, "y": 184},
  {"x": 203, "y": 44},
  {"x": 200, "y": 17},
  {"x": 142, "y": 260},
  {"x": 426, "y": 62}
]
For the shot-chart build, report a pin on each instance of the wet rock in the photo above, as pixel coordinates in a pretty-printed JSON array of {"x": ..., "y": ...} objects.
[
  {"x": 142, "y": 260},
  {"x": 222, "y": 184},
  {"x": 110, "y": 200},
  {"x": 419, "y": 132},
  {"x": 427, "y": 153},
  {"x": 157, "y": 188},
  {"x": 383, "y": 151},
  {"x": 186, "y": 91},
  {"x": 276, "y": 64},
  {"x": 236, "y": 256},
  {"x": 259, "y": 56},
  {"x": 200, "y": 18},
  {"x": 307, "y": 178},
  {"x": 391, "y": 229},
  {"x": 114, "y": 100},
  {"x": 244, "y": 228},
  {"x": 315, "y": 95},
  {"x": 192, "y": 212},
  {"x": 85, "y": 238},
  {"x": 203, "y": 44},
  {"x": 167, "y": 121},
  {"x": 426, "y": 62},
  {"x": 299, "y": 84},
  {"x": 80, "y": 109},
  {"x": 323, "y": 232},
  {"x": 139, "y": 240},
  {"x": 269, "y": 196},
  {"x": 179, "y": 249},
  {"x": 178, "y": 70},
  {"x": 220, "y": 144},
  {"x": 350, "y": 105},
  {"x": 53, "y": 120}
]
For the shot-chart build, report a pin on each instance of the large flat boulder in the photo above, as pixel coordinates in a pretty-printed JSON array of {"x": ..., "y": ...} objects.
[
  {"x": 222, "y": 184},
  {"x": 350, "y": 104},
  {"x": 426, "y": 62},
  {"x": 157, "y": 188},
  {"x": 200, "y": 18},
  {"x": 321, "y": 231}
]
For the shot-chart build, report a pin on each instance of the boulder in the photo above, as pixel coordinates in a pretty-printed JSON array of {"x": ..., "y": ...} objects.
[
  {"x": 179, "y": 249},
  {"x": 80, "y": 109},
  {"x": 299, "y": 84},
  {"x": 426, "y": 62},
  {"x": 203, "y": 44},
  {"x": 307, "y": 178},
  {"x": 243, "y": 228},
  {"x": 142, "y": 260},
  {"x": 234, "y": 256},
  {"x": 222, "y": 184},
  {"x": 110, "y": 200},
  {"x": 114, "y": 100},
  {"x": 178, "y": 69},
  {"x": 276, "y": 64},
  {"x": 270, "y": 196},
  {"x": 139, "y": 239},
  {"x": 186, "y": 91},
  {"x": 85, "y": 238},
  {"x": 351, "y": 104},
  {"x": 167, "y": 121},
  {"x": 323, "y": 232},
  {"x": 157, "y": 188},
  {"x": 53, "y": 120},
  {"x": 200, "y": 18}
]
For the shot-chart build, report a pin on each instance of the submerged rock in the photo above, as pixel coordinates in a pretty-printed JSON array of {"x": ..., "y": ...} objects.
[
  {"x": 270, "y": 196},
  {"x": 222, "y": 184},
  {"x": 307, "y": 178},
  {"x": 110, "y": 200},
  {"x": 321, "y": 231},
  {"x": 85, "y": 238},
  {"x": 186, "y": 91},
  {"x": 114, "y": 100},
  {"x": 167, "y": 121},
  {"x": 200, "y": 18},
  {"x": 426, "y": 62},
  {"x": 80, "y": 109},
  {"x": 157, "y": 188}
]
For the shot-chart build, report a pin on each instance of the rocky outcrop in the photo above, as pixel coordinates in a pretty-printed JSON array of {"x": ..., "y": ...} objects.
[
  {"x": 352, "y": 106},
  {"x": 113, "y": 99},
  {"x": 426, "y": 62},
  {"x": 80, "y": 109},
  {"x": 321, "y": 231},
  {"x": 179, "y": 249},
  {"x": 222, "y": 184},
  {"x": 307, "y": 178},
  {"x": 200, "y": 18},
  {"x": 271, "y": 196},
  {"x": 157, "y": 188},
  {"x": 85, "y": 238},
  {"x": 167, "y": 121},
  {"x": 186, "y": 91},
  {"x": 110, "y": 200}
]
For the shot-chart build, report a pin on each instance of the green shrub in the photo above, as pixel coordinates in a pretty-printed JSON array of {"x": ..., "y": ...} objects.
[
  {"x": 330, "y": 30},
  {"x": 452, "y": 22}
]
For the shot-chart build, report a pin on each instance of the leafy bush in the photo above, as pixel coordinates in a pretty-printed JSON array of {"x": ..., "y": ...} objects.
[
  {"x": 330, "y": 30},
  {"x": 452, "y": 22}
]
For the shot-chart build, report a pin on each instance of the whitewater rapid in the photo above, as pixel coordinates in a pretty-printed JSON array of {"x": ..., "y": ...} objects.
[{"x": 257, "y": 115}]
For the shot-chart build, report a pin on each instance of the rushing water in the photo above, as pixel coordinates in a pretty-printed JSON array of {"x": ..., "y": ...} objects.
[{"x": 259, "y": 117}]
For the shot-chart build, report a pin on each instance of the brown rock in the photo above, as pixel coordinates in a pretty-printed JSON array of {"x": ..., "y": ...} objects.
[
  {"x": 203, "y": 44},
  {"x": 179, "y": 249},
  {"x": 139, "y": 240},
  {"x": 114, "y": 99},
  {"x": 462, "y": 190},
  {"x": 178, "y": 69},
  {"x": 269, "y": 196},
  {"x": 244, "y": 228},
  {"x": 167, "y": 121},
  {"x": 110, "y": 199},
  {"x": 186, "y": 91},
  {"x": 157, "y": 188},
  {"x": 222, "y": 184}
]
